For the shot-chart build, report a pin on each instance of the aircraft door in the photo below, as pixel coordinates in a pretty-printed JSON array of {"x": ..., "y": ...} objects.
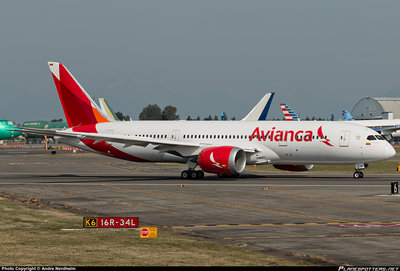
[
  {"x": 344, "y": 138},
  {"x": 175, "y": 135}
]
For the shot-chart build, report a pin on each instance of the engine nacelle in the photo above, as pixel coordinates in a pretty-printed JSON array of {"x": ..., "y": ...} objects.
[
  {"x": 294, "y": 167},
  {"x": 224, "y": 160}
]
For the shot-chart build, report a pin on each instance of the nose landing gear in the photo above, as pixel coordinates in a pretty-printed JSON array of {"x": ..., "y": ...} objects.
[{"x": 358, "y": 173}]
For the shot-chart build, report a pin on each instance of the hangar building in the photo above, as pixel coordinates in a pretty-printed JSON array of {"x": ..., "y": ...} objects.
[{"x": 377, "y": 108}]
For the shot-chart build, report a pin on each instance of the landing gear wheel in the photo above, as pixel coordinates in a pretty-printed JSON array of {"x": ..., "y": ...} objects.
[
  {"x": 201, "y": 174},
  {"x": 194, "y": 175},
  {"x": 358, "y": 175},
  {"x": 185, "y": 174}
]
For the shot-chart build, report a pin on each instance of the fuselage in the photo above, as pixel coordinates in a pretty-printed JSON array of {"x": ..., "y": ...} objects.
[
  {"x": 277, "y": 142},
  {"x": 5, "y": 126}
]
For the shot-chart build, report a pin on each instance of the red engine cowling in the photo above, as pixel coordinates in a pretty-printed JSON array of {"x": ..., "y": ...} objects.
[
  {"x": 224, "y": 160},
  {"x": 294, "y": 167}
]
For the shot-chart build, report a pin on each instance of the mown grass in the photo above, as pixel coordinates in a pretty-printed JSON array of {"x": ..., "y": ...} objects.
[{"x": 33, "y": 236}]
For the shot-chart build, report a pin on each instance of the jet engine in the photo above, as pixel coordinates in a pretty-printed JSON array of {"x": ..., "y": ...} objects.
[
  {"x": 224, "y": 160},
  {"x": 294, "y": 167}
]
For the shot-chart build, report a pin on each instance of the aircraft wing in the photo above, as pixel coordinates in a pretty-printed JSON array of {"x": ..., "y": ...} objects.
[{"x": 390, "y": 129}]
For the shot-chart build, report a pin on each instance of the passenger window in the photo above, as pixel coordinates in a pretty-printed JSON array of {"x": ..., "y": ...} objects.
[{"x": 371, "y": 137}]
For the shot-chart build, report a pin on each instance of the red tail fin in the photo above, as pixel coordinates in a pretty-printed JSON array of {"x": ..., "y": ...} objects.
[{"x": 79, "y": 108}]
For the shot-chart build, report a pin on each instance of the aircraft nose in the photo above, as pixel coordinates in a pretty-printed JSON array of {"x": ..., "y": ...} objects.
[{"x": 389, "y": 151}]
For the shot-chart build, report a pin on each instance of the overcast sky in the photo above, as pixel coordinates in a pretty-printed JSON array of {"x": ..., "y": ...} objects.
[{"x": 203, "y": 57}]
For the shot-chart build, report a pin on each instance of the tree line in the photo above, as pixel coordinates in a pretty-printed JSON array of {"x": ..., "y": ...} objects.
[{"x": 154, "y": 112}]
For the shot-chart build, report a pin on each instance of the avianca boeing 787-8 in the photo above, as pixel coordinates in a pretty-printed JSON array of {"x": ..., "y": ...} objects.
[{"x": 219, "y": 147}]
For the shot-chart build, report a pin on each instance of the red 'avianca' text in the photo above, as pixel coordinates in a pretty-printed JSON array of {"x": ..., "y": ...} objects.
[
  {"x": 290, "y": 135},
  {"x": 279, "y": 135}
]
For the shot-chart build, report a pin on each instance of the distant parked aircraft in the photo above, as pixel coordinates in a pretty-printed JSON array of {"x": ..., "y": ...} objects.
[
  {"x": 260, "y": 111},
  {"x": 107, "y": 110},
  {"x": 5, "y": 133},
  {"x": 289, "y": 113}
]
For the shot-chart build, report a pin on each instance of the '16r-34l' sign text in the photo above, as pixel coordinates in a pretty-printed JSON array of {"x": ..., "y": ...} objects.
[{"x": 110, "y": 222}]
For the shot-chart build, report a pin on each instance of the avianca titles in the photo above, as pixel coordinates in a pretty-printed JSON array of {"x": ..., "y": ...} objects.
[{"x": 219, "y": 147}]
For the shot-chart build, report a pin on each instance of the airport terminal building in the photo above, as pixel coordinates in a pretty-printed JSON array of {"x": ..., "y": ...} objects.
[{"x": 377, "y": 108}]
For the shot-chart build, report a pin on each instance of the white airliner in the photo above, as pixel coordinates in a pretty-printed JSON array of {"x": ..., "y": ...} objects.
[{"x": 219, "y": 147}]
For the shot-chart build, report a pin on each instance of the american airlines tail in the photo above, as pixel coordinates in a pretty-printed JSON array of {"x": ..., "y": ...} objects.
[
  {"x": 78, "y": 106},
  {"x": 289, "y": 113}
]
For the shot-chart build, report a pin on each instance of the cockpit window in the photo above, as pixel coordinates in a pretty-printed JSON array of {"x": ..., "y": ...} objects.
[
  {"x": 379, "y": 137},
  {"x": 371, "y": 137}
]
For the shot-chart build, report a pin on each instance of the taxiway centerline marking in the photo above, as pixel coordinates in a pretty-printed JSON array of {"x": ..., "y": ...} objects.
[
  {"x": 315, "y": 236},
  {"x": 113, "y": 167},
  {"x": 329, "y": 196},
  {"x": 280, "y": 224},
  {"x": 234, "y": 205}
]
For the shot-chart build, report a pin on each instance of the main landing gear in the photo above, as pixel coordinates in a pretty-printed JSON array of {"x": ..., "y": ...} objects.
[
  {"x": 358, "y": 174},
  {"x": 191, "y": 173}
]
